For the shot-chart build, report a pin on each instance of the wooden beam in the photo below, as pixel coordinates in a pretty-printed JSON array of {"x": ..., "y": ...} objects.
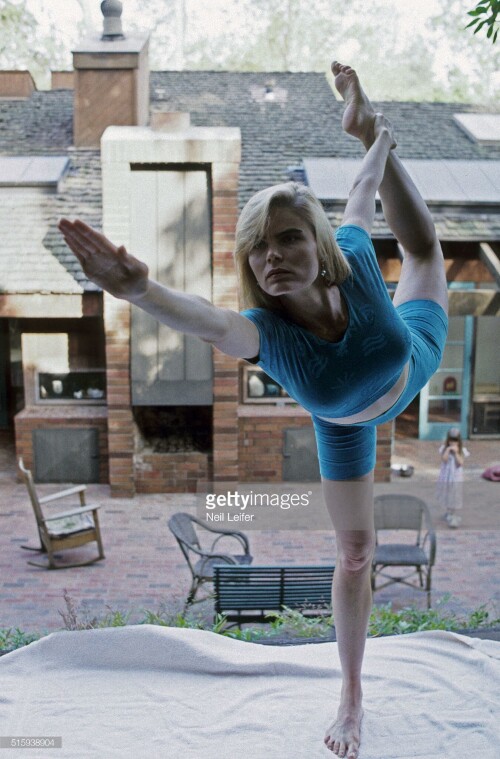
[
  {"x": 50, "y": 306},
  {"x": 474, "y": 302},
  {"x": 490, "y": 260}
]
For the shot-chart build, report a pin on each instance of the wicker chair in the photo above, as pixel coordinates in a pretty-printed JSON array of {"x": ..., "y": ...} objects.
[
  {"x": 409, "y": 513},
  {"x": 201, "y": 561}
]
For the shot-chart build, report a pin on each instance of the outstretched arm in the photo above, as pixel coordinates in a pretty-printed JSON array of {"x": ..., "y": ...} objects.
[
  {"x": 124, "y": 276},
  {"x": 360, "y": 208}
]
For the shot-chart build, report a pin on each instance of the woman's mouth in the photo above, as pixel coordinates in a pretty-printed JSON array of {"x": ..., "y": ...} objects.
[{"x": 276, "y": 272}]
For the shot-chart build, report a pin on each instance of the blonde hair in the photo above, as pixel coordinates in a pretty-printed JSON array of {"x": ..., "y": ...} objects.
[{"x": 252, "y": 226}]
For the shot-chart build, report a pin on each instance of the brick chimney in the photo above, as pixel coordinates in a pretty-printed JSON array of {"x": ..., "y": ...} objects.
[
  {"x": 16, "y": 85},
  {"x": 111, "y": 80}
]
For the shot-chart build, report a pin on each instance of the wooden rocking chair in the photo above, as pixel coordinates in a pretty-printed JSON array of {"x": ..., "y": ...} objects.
[{"x": 67, "y": 529}]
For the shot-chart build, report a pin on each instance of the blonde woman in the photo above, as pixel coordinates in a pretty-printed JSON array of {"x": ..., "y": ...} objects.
[{"x": 321, "y": 323}]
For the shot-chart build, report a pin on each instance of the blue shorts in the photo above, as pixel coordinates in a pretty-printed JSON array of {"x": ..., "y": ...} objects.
[{"x": 347, "y": 451}]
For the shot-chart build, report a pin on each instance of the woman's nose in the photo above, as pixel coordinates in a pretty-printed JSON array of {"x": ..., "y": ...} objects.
[{"x": 273, "y": 253}]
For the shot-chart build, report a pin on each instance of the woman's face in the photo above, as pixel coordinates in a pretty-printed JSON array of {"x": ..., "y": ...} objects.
[{"x": 286, "y": 259}]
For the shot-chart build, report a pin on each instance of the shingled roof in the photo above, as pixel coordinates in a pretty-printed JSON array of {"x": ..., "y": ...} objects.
[{"x": 303, "y": 120}]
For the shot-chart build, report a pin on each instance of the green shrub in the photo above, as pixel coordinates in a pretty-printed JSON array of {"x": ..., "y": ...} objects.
[
  {"x": 385, "y": 621},
  {"x": 288, "y": 623},
  {"x": 11, "y": 639}
]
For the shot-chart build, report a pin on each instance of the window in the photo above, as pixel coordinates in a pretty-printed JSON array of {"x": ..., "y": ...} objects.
[{"x": 258, "y": 387}]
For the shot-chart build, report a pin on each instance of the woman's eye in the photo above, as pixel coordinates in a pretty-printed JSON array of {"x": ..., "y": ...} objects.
[{"x": 259, "y": 245}]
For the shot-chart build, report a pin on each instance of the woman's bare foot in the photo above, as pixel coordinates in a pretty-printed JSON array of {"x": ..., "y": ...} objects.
[
  {"x": 343, "y": 735},
  {"x": 359, "y": 113}
]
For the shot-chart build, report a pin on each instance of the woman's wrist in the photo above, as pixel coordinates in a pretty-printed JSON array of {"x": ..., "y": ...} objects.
[{"x": 141, "y": 297}]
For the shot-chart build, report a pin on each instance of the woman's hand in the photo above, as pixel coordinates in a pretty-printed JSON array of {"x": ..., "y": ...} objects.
[
  {"x": 381, "y": 124},
  {"x": 112, "y": 268}
]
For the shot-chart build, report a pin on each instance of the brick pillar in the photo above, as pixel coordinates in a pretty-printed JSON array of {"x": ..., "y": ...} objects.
[
  {"x": 385, "y": 439},
  {"x": 225, "y": 177},
  {"x": 120, "y": 418}
]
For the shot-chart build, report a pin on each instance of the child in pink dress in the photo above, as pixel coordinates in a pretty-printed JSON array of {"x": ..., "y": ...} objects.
[{"x": 451, "y": 476}]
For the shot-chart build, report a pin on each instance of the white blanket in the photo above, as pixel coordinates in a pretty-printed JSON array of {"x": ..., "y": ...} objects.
[{"x": 146, "y": 691}]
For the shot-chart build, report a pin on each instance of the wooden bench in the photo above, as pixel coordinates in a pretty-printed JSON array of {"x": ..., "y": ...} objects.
[{"x": 247, "y": 593}]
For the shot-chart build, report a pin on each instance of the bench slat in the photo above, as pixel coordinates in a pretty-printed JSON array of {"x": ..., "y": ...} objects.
[{"x": 261, "y": 589}]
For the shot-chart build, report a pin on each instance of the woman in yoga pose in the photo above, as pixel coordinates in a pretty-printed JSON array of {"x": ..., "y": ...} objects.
[{"x": 322, "y": 324}]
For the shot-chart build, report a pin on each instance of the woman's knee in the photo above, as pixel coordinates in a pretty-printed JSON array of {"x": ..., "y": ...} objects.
[{"x": 355, "y": 550}]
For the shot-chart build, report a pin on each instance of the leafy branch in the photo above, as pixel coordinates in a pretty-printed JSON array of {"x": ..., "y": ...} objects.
[{"x": 486, "y": 13}]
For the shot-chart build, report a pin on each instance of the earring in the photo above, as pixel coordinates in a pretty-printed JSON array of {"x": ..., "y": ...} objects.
[{"x": 324, "y": 274}]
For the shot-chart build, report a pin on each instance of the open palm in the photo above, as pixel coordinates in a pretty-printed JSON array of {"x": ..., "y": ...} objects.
[{"x": 112, "y": 268}]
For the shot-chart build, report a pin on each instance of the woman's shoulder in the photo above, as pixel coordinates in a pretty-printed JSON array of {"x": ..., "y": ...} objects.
[
  {"x": 354, "y": 242},
  {"x": 266, "y": 320},
  {"x": 352, "y": 231},
  {"x": 258, "y": 314},
  {"x": 351, "y": 234}
]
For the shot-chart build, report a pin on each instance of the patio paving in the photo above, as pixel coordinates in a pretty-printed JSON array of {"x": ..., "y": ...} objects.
[{"x": 144, "y": 568}]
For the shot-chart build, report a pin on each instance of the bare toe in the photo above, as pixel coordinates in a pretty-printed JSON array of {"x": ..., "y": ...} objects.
[{"x": 342, "y": 736}]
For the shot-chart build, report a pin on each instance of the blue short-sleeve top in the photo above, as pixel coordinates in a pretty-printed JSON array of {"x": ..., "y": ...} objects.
[{"x": 345, "y": 377}]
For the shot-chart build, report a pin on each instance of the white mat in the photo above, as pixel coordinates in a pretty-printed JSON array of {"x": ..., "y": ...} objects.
[{"x": 148, "y": 691}]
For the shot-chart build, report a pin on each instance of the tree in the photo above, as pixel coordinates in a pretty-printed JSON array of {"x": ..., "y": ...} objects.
[
  {"x": 304, "y": 35},
  {"x": 22, "y": 46},
  {"x": 438, "y": 62},
  {"x": 469, "y": 69},
  {"x": 86, "y": 24},
  {"x": 486, "y": 13}
]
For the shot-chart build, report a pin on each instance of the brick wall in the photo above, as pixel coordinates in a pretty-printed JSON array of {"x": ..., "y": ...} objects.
[
  {"x": 16, "y": 84},
  {"x": 171, "y": 472},
  {"x": 120, "y": 419},
  {"x": 64, "y": 80},
  {"x": 385, "y": 442},
  {"x": 225, "y": 177},
  {"x": 260, "y": 447}
]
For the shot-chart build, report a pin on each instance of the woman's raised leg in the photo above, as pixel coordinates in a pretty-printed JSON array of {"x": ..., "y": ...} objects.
[
  {"x": 350, "y": 505},
  {"x": 422, "y": 274}
]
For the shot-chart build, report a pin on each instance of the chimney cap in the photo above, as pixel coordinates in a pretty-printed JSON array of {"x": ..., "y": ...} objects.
[{"x": 112, "y": 28}]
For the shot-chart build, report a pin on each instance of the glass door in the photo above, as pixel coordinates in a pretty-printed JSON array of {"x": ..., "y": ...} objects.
[
  {"x": 486, "y": 382},
  {"x": 4, "y": 367},
  {"x": 445, "y": 400}
]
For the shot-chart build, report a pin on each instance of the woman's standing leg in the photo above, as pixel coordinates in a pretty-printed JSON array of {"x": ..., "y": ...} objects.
[
  {"x": 422, "y": 274},
  {"x": 350, "y": 505}
]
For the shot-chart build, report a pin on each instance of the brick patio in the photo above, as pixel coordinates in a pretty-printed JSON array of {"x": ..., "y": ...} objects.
[{"x": 144, "y": 567}]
